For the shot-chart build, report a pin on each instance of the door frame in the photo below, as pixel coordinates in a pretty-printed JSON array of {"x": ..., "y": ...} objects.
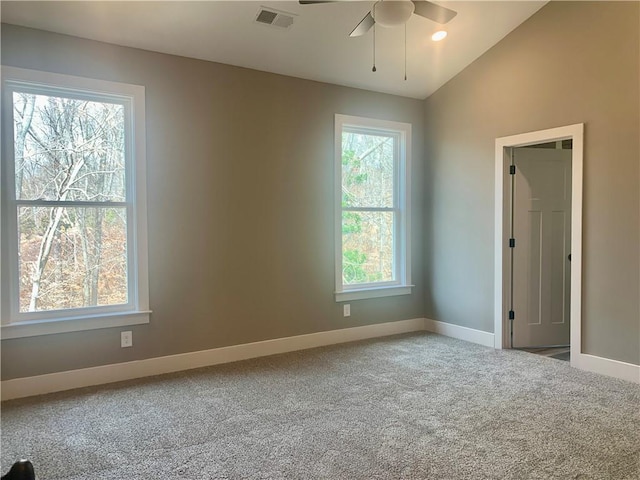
[{"x": 502, "y": 217}]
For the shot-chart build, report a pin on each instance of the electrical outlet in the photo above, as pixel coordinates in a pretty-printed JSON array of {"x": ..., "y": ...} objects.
[
  {"x": 347, "y": 310},
  {"x": 126, "y": 339}
]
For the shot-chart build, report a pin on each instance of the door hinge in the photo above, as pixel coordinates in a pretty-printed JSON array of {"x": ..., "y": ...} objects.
[
  {"x": 512, "y": 315},
  {"x": 512, "y": 169},
  {"x": 512, "y": 243}
]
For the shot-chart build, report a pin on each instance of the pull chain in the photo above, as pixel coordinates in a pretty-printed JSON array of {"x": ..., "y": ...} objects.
[
  {"x": 405, "y": 52},
  {"x": 374, "y": 47}
]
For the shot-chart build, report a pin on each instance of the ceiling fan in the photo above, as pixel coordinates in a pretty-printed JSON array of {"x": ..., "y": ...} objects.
[{"x": 392, "y": 13}]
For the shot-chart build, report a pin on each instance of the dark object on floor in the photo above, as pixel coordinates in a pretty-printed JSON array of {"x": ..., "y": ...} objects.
[
  {"x": 566, "y": 356},
  {"x": 21, "y": 470}
]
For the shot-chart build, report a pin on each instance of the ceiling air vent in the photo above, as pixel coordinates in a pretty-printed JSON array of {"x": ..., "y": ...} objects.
[{"x": 268, "y": 16}]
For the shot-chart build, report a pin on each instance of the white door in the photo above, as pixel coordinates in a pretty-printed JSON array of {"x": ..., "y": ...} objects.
[{"x": 542, "y": 232}]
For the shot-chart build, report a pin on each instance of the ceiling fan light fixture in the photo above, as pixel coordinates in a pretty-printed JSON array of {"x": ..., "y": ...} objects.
[
  {"x": 439, "y": 35},
  {"x": 392, "y": 13}
]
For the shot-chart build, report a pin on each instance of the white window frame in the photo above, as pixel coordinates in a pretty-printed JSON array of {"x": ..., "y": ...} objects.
[
  {"x": 402, "y": 203},
  {"x": 136, "y": 311}
]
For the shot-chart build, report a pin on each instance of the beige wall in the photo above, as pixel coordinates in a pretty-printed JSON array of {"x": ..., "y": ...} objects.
[
  {"x": 240, "y": 191},
  {"x": 240, "y": 187},
  {"x": 572, "y": 62}
]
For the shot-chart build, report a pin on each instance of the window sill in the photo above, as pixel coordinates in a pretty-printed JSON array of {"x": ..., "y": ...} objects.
[
  {"x": 373, "y": 293},
  {"x": 35, "y": 328}
]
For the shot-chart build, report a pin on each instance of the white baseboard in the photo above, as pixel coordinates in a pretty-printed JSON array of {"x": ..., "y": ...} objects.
[
  {"x": 56, "y": 382},
  {"x": 463, "y": 333},
  {"x": 606, "y": 366},
  {"x": 85, "y": 377}
]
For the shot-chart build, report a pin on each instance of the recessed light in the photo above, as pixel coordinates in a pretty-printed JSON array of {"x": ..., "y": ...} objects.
[{"x": 439, "y": 35}]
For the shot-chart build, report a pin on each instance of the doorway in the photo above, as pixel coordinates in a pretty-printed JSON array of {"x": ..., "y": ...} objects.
[{"x": 538, "y": 239}]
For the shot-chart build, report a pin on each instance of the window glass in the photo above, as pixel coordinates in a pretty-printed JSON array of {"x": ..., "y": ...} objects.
[
  {"x": 367, "y": 170},
  {"x": 72, "y": 257},
  {"x": 68, "y": 149},
  {"x": 367, "y": 247}
]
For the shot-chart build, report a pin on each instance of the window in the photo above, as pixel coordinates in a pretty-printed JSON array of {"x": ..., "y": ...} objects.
[
  {"x": 372, "y": 208},
  {"x": 73, "y": 204}
]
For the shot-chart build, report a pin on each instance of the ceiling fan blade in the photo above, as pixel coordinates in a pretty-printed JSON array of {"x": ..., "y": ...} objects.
[
  {"x": 434, "y": 12},
  {"x": 363, "y": 27},
  {"x": 311, "y": 2}
]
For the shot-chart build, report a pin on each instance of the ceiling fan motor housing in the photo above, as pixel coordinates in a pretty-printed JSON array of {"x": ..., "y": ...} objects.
[{"x": 392, "y": 13}]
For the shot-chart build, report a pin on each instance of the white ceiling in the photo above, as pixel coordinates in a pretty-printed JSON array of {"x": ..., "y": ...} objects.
[{"x": 317, "y": 46}]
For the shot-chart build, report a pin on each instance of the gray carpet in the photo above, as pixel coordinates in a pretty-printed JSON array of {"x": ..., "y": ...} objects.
[{"x": 414, "y": 406}]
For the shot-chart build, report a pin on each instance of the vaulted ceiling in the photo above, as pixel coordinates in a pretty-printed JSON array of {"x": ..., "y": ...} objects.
[{"x": 316, "y": 46}]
